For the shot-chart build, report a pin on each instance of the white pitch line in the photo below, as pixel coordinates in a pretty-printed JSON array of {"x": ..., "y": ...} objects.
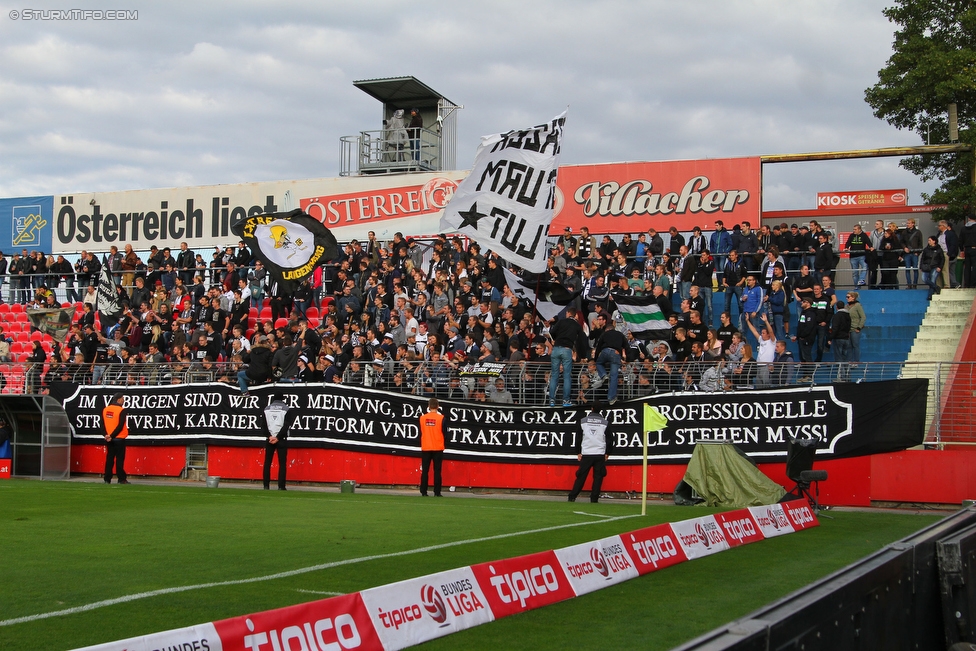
[
  {"x": 595, "y": 515},
  {"x": 296, "y": 572},
  {"x": 330, "y": 594}
]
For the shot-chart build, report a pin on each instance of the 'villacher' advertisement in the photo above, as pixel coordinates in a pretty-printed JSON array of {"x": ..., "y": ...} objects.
[{"x": 848, "y": 420}]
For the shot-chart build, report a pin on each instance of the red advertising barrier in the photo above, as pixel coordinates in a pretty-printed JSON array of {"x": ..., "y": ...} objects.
[
  {"x": 336, "y": 623},
  {"x": 403, "y": 614},
  {"x": 4, "y": 468}
]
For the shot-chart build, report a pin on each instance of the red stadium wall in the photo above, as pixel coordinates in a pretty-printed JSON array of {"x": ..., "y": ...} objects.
[
  {"x": 959, "y": 395},
  {"x": 924, "y": 476}
]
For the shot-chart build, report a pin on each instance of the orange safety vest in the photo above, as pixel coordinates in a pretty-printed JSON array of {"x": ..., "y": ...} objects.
[
  {"x": 432, "y": 432},
  {"x": 110, "y": 419}
]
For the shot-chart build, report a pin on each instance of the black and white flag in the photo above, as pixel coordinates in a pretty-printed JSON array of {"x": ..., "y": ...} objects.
[
  {"x": 549, "y": 299},
  {"x": 506, "y": 203},
  {"x": 289, "y": 244},
  {"x": 107, "y": 302}
]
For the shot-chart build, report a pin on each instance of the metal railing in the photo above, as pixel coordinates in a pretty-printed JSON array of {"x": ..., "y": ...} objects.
[
  {"x": 951, "y": 400},
  {"x": 386, "y": 151}
]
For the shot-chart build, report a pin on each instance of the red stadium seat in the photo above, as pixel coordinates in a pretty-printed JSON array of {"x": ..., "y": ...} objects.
[
  {"x": 21, "y": 317},
  {"x": 17, "y": 307},
  {"x": 254, "y": 313},
  {"x": 312, "y": 312},
  {"x": 265, "y": 313},
  {"x": 312, "y": 321},
  {"x": 326, "y": 302},
  {"x": 4, "y": 308},
  {"x": 36, "y": 336}
]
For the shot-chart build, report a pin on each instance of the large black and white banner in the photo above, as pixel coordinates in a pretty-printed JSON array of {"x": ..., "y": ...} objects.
[
  {"x": 849, "y": 420},
  {"x": 506, "y": 203}
]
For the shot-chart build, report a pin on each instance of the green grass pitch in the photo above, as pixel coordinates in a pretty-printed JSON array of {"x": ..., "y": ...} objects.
[{"x": 67, "y": 545}]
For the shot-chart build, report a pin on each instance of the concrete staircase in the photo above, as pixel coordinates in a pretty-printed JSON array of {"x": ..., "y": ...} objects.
[{"x": 937, "y": 340}]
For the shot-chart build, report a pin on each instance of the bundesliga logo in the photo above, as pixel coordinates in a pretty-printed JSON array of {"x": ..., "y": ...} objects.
[
  {"x": 433, "y": 604},
  {"x": 700, "y": 530},
  {"x": 599, "y": 564}
]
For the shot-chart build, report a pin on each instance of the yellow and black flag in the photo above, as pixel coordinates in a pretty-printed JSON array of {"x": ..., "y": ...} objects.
[{"x": 290, "y": 244}]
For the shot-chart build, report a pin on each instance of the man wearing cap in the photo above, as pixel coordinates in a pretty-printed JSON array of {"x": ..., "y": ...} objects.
[
  {"x": 567, "y": 239},
  {"x": 329, "y": 373},
  {"x": 116, "y": 432}
]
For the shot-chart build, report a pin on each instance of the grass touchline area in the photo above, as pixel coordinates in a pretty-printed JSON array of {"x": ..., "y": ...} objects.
[
  {"x": 303, "y": 570},
  {"x": 67, "y": 545}
]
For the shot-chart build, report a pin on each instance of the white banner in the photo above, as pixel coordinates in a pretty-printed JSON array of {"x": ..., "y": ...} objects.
[
  {"x": 771, "y": 519},
  {"x": 700, "y": 537},
  {"x": 417, "y": 610},
  {"x": 201, "y": 216},
  {"x": 201, "y": 636},
  {"x": 597, "y": 564},
  {"x": 506, "y": 203}
]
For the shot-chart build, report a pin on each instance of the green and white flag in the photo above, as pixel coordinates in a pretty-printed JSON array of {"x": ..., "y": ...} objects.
[{"x": 642, "y": 316}]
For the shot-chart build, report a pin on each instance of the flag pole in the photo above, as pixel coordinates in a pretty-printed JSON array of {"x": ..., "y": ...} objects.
[
  {"x": 644, "y": 480},
  {"x": 653, "y": 421}
]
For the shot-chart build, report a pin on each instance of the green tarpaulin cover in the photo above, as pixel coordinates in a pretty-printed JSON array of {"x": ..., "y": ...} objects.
[{"x": 723, "y": 476}]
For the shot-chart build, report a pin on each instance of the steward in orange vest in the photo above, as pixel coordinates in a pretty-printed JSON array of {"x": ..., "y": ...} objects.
[
  {"x": 116, "y": 431},
  {"x": 432, "y": 434}
]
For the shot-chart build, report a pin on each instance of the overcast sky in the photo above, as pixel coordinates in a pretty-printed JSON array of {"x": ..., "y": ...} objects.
[{"x": 196, "y": 93}]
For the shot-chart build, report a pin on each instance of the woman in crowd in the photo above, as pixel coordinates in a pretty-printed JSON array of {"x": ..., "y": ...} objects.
[
  {"x": 744, "y": 373},
  {"x": 713, "y": 347}
]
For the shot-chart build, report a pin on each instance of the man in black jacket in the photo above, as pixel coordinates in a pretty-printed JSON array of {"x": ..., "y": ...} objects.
[
  {"x": 186, "y": 263},
  {"x": 567, "y": 336},
  {"x": 806, "y": 336},
  {"x": 825, "y": 312},
  {"x": 607, "y": 353},
  {"x": 278, "y": 420},
  {"x": 840, "y": 337},
  {"x": 258, "y": 362}
]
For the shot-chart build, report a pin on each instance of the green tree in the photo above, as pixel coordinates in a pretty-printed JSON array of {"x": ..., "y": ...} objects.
[{"x": 933, "y": 65}]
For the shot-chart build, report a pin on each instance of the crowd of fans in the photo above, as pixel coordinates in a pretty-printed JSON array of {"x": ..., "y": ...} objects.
[{"x": 427, "y": 318}]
